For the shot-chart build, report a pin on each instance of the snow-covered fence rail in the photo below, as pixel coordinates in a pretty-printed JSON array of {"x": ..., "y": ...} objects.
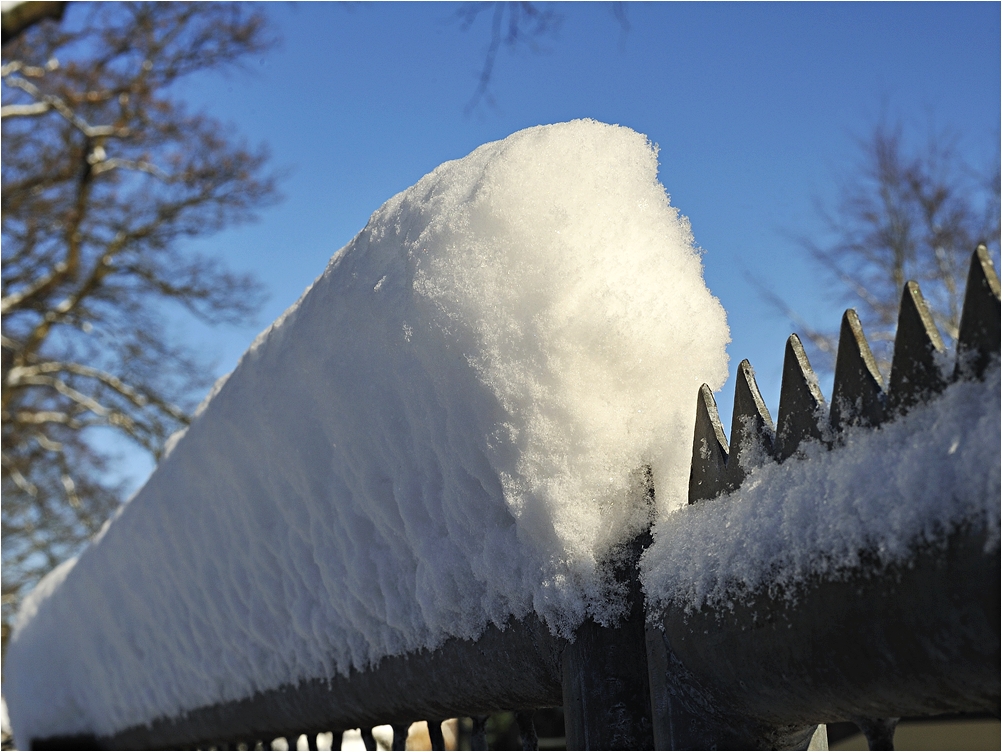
[
  {"x": 868, "y": 635},
  {"x": 416, "y": 498}
]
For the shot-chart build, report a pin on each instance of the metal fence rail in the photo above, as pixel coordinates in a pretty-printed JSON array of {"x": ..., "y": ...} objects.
[
  {"x": 920, "y": 639},
  {"x": 917, "y": 640}
]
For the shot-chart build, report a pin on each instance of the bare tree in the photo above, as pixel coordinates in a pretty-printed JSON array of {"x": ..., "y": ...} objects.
[
  {"x": 105, "y": 174},
  {"x": 904, "y": 213}
]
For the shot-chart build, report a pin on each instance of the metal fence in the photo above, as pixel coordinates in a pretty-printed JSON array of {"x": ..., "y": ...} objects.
[{"x": 917, "y": 640}]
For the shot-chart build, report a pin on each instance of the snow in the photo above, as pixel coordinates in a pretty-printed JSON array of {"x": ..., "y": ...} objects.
[
  {"x": 4, "y": 720},
  {"x": 883, "y": 493},
  {"x": 442, "y": 433}
]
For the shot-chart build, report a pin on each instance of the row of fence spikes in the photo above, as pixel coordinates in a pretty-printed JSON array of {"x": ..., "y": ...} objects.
[{"x": 859, "y": 397}]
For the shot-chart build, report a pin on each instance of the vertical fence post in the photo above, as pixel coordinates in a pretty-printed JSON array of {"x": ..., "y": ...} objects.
[
  {"x": 368, "y": 739},
  {"x": 607, "y": 701},
  {"x": 435, "y": 735},
  {"x": 527, "y": 729},
  {"x": 478, "y": 738}
]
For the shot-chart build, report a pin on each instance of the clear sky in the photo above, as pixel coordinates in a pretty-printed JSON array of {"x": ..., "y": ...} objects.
[{"x": 755, "y": 108}]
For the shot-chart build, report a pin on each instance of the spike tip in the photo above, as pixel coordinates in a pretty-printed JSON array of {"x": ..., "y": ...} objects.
[
  {"x": 858, "y": 394},
  {"x": 709, "y": 450},
  {"x": 915, "y": 371},
  {"x": 752, "y": 431},
  {"x": 800, "y": 402}
]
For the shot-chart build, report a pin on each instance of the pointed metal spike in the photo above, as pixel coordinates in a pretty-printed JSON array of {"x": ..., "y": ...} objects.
[
  {"x": 709, "y": 450},
  {"x": 858, "y": 395},
  {"x": 915, "y": 372},
  {"x": 978, "y": 342},
  {"x": 801, "y": 404},
  {"x": 752, "y": 431}
]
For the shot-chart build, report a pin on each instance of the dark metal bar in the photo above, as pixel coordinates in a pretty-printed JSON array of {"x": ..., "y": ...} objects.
[
  {"x": 478, "y": 739},
  {"x": 605, "y": 679},
  {"x": 368, "y": 739},
  {"x": 688, "y": 715},
  {"x": 879, "y": 732},
  {"x": 519, "y": 667},
  {"x": 435, "y": 734},
  {"x": 921, "y": 639},
  {"x": 400, "y": 736}
]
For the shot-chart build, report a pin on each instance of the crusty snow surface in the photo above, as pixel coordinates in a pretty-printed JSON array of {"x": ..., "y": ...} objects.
[
  {"x": 883, "y": 493},
  {"x": 442, "y": 433}
]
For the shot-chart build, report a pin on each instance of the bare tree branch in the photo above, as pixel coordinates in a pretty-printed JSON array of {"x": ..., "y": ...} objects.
[
  {"x": 104, "y": 174},
  {"x": 25, "y": 110},
  {"x": 526, "y": 23},
  {"x": 57, "y": 104},
  {"x": 904, "y": 213}
]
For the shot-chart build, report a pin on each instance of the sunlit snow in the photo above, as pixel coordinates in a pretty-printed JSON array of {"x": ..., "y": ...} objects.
[{"x": 442, "y": 433}]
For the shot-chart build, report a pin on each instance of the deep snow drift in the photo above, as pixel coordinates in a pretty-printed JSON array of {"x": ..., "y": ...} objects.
[
  {"x": 441, "y": 433},
  {"x": 908, "y": 483}
]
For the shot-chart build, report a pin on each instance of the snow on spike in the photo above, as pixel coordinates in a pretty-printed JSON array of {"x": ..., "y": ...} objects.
[
  {"x": 709, "y": 450},
  {"x": 752, "y": 431},
  {"x": 858, "y": 395},
  {"x": 978, "y": 341},
  {"x": 800, "y": 402},
  {"x": 915, "y": 373}
]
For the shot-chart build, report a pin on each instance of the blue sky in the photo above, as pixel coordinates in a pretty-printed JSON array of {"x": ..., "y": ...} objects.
[{"x": 755, "y": 108}]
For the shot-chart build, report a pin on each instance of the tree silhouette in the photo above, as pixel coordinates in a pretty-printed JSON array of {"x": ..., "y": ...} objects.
[{"x": 105, "y": 175}]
